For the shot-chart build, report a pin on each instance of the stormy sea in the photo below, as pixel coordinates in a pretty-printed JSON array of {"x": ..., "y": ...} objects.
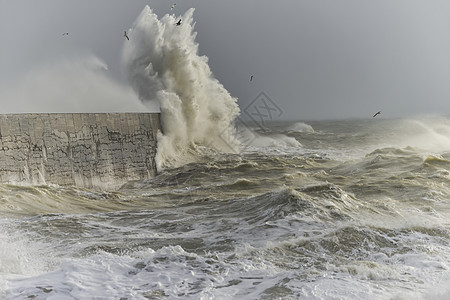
[
  {"x": 241, "y": 208},
  {"x": 357, "y": 209}
]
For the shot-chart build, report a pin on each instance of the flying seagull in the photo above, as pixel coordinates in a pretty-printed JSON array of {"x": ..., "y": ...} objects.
[
  {"x": 179, "y": 23},
  {"x": 251, "y": 78},
  {"x": 173, "y": 6},
  {"x": 126, "y": 35},
  {"x": 377, "y": 113},
  {"x": 65, "y": 33}
]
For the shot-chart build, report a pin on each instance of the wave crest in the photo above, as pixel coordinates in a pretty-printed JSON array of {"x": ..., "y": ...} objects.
[{"x": 163, "y": 65}]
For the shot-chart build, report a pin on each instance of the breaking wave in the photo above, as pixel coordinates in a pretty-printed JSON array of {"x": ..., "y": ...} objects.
[
  {"x": 162, "y": 64},
  {"x": 300, "y": 127}
]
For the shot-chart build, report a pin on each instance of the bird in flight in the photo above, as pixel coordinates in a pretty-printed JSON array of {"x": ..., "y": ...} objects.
[
  {"x": 251, "y": 78},
  {"x": 126, "y": 35},
  {"x": 65, "y": 33},
  {"x": 173, "y": 6},
  {"x": 376, "y": 114},
  {"x": 178, "y": 23}
]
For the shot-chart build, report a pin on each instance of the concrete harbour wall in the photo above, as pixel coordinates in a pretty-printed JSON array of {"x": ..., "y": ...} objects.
[{"x": 92, "y": 150}]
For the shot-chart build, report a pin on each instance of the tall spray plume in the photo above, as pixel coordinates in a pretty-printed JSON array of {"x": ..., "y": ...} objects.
[{"x": 162, "y": 64}]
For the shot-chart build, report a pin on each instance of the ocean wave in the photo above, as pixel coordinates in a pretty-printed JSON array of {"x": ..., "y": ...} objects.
[
  {"x": 322, "y": 202},
  {"x": 252, "y": 138},
  {"x": 163, "y": 65},
  {"x": 393, "y": 151},
  {"x": 427, "y": 133},
  {"x": 19, "y": 200},
  {"x": 397, "y": 160},
  {"x": 300, "y": 127},
  {"x": 437, "y": 161}
]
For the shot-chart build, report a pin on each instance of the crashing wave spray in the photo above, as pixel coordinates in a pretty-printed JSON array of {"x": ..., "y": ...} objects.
[{"x": 162, "y": 64}]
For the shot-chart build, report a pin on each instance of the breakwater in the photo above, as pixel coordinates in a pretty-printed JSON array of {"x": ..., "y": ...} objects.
[{"x": 92, "y": 150}]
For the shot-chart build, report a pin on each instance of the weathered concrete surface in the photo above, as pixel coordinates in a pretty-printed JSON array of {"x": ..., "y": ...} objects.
[{"x": 100, "y": 151}]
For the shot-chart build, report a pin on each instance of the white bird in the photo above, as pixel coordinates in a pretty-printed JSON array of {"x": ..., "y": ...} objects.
[{"x": 173, "y": 6}]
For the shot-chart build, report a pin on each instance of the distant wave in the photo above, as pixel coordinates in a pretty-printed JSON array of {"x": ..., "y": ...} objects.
[
  {"x": 426, "y": 133},
  {"x": 163, "y": 65},
  {"x": 300, "y": 127},
  {"x": 277, "y": 140},
  {"x": 250, "y": 137}
]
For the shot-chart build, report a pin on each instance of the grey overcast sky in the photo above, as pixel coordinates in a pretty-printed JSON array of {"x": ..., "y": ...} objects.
[{"x": 316, "y": 59}]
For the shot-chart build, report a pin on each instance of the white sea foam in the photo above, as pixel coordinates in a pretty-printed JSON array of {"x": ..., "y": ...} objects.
[
  {"x": 249, "y": 274},
  {"x": 18, "y": 256},
  {"x": 168, "y": 272},
  {"x": 163, "y": 64}
]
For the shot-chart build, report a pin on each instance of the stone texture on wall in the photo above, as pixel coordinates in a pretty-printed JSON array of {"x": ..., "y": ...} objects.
[{"x": 92, "y": 150}]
